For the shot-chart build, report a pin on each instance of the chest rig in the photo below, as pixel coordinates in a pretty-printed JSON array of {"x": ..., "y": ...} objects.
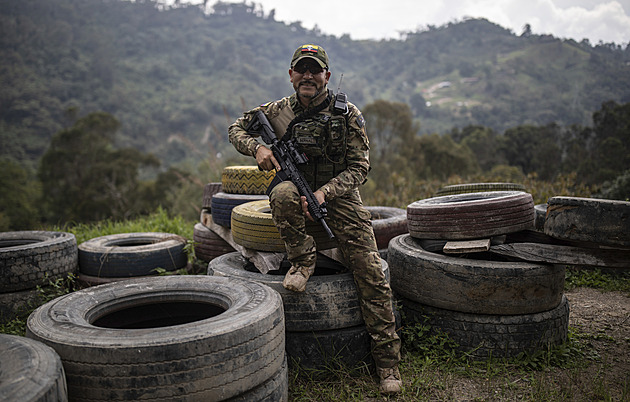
[{"x": 322, "y": 137}]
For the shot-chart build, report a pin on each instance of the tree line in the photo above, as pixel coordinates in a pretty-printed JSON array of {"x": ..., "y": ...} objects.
[{"x": 85, "y": 177}]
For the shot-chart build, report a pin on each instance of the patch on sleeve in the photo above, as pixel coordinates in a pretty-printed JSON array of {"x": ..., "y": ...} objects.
[{"x": 360, "y": 121}]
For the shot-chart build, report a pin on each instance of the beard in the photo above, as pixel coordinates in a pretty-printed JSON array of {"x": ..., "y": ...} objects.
[{"x": 318, "y": 90}]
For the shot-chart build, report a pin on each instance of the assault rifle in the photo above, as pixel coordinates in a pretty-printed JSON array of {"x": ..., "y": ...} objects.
[{"x": 289, "y": 158}]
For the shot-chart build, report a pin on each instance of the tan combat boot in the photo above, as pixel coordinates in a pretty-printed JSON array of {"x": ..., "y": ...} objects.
[
  {"x": 295, "y": 280},
  {"x": 390, "y": 380}
]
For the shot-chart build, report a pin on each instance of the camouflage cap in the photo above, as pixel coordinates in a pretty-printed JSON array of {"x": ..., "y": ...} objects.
[{"x": 315, "y": 52}]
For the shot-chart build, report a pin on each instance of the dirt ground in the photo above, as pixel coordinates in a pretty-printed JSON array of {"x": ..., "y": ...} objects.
[{"x": 601, "y": 324}]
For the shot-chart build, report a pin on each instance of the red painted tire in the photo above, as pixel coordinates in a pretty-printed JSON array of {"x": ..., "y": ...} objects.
[{"x": 471, "y": 216}]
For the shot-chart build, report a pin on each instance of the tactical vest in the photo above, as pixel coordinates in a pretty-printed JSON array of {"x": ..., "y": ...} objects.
[{"x": 323, "y": 138}]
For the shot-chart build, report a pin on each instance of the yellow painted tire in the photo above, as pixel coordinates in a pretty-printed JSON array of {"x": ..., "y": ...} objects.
[
  {"x": 245, "y": 180},
  {"x": 253, "y": 227}
]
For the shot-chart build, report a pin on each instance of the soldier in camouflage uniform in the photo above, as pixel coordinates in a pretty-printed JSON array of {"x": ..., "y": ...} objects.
[{"x": 336, "y": 144}]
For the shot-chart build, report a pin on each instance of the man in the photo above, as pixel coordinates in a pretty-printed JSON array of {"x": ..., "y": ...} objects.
[{"x": 336, "y": 144}]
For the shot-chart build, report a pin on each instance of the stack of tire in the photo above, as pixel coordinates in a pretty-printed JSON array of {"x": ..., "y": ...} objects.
[
  {"x": 29, "y": 259},
  {"x": 324, "y": 325},
  {"x": 488, "y": 305},
  {"x": 208, "y": 245},
  {"x": 188, "y": 337},
  {"x": 123, "y": 256}
]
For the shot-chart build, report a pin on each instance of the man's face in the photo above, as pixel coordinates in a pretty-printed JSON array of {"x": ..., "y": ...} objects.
[{"x": 308, "y": 79}]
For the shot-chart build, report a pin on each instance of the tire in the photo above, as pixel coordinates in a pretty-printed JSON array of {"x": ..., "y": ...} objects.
[
  {"x": 601, "y": 222},
  {"x": 478, "y": 188},
  {"x": 31, "y": 371},
  {"x": 170, "y": 338},
  {"x": 223, "y": 203},
  {"x": 253, "y": 227},
  {"x": 246, "y": 180},
  {"x": 209, "y": 245},
  {"x": 16, "y": 304},
  {"x": 132, "y": 254},
  {"x": 209, "y": 190},
  {"x": 473, "y": 286},
  {"x": 31, "y": 258},
  {"x": 387, "y": 223},
  {"x": 540, "y": 214},
  {"x": 330, "y": 300},
  {"x": 332, "y": 349},
  {"x": 275, "y": 389},
  {"x": 471, "y": 216},
  {"x": 484, "y": 336}
]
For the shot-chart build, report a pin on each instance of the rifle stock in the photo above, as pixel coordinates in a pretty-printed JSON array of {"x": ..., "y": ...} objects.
[{"x": 289, "y": 158}]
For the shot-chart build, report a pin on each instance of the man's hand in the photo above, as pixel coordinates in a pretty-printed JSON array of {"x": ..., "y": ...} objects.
[
  {"x": 321, "y": 198},
  {"x": 265, "y": 159}
]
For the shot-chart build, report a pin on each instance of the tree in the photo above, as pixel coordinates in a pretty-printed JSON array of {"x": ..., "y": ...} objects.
[
  {"x": 20, "y": 195},
  {"x": 85, "y": 178}
]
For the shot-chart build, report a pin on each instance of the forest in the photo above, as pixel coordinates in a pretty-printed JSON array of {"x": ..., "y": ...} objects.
[{"x": 111, "y": 109}]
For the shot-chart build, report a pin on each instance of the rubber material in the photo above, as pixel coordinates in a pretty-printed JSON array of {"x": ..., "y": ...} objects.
[
  {"x": 246, "y": 180},
  {"x": 479, "y": 286},
  {"x": 471, "y": 216},
  {"x": 31, "y": 258},
  {"x": 132, "y": 254},
  {"x": 332, "y": 349},
  {"x": 494, "y": 335},
  {"x": 209, "y": 245},
  {"x": 600, "y": 222},
  {"x": 30, "y": 371},
  {"x": 478, "y": 187},
  {"x": 174, "y": 338},
  {"x": 253, "y": 227},
  {"x": 223, "y": 203},
  {"x": 387, "y": 222},
  {"x": 330, "y": 300},
  {"x": 209, "y": 190}
]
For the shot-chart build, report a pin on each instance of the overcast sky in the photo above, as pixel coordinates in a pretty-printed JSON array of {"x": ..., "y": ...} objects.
[{"x": 596, "y": 20}]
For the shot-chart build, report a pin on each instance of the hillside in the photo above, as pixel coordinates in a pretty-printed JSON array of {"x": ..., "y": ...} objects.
[{"x": 176, "y": 77}]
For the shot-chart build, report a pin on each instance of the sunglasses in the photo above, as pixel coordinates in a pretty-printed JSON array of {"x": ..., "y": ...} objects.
[{"x": 312, "y": 67}]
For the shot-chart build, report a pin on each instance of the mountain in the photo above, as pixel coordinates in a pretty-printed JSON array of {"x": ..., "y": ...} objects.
[{"x": 175, "y": 77}]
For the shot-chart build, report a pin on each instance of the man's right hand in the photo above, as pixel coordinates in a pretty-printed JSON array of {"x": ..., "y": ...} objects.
[{"x": 265, "y": 159}]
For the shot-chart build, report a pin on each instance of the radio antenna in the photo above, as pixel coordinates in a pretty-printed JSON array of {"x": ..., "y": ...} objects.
[{"x": 339, "y": 86}]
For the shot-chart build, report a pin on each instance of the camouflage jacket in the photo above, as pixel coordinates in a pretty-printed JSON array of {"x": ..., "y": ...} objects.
[{"x": 281, "y": 112}]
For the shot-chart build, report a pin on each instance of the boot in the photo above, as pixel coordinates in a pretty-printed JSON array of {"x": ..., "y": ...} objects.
[
  {"x": 295, "y": 280},
  {"x": 390, "y": 382}
]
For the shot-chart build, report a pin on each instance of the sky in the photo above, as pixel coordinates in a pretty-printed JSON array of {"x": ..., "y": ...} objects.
[{"x": 595, "y": 20}]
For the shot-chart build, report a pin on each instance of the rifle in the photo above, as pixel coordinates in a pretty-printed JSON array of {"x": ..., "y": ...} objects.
[{"x": 289, "y": 158}]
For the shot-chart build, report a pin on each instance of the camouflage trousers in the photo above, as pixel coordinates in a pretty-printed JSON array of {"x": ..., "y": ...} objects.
[{"x": 350, "y": 223}]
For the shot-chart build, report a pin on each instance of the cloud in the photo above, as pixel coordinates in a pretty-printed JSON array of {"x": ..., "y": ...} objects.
[{"x": 597, "y": 20}]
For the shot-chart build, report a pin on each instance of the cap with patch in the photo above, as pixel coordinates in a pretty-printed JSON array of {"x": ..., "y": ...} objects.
[{"x": 314, "y": 52}]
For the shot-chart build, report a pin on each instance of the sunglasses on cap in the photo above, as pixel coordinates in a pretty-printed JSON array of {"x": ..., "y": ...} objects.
[{"x": 314, "y": 68}]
